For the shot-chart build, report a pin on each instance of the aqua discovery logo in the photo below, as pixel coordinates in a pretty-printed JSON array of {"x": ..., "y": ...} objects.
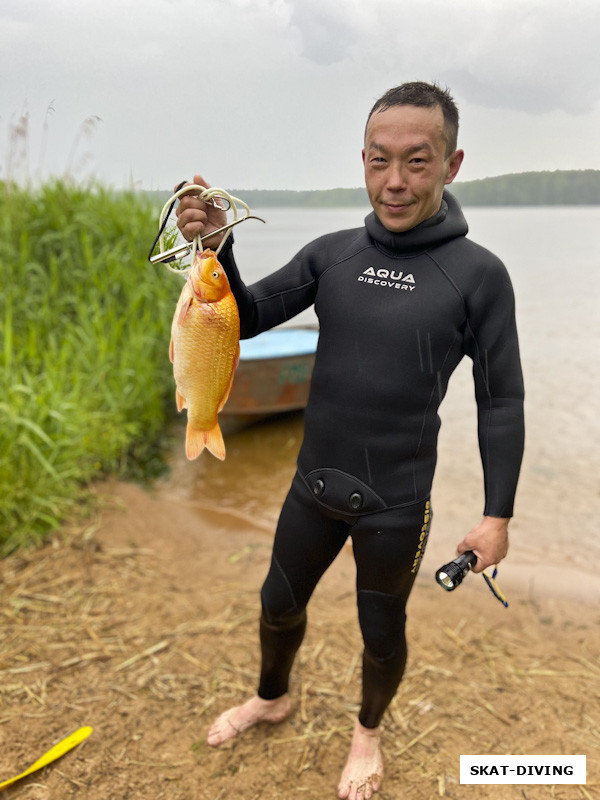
[{"x": 392, "y": 279}]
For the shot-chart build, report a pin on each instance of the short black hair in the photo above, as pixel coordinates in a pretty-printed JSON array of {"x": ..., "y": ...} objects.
[{"x": 425, "y": 95}]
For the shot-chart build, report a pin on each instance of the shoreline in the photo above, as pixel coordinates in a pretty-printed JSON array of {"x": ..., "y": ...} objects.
[{"x": 519, "y": 576}]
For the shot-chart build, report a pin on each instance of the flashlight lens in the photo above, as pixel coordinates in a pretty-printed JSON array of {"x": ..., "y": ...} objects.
[
  {"x": 446, "y": 580},
  {"x": 450, "y": 575}
]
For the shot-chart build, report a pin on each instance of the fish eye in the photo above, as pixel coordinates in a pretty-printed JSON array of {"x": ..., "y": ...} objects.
[{"x": 215, "y": 274}]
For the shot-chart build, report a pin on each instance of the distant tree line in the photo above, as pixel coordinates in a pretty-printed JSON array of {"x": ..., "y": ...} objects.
[
  {"x": 284, "y": 198},
  {"x": 318, "y": 198},
  {"x": 560, "y": 187}
]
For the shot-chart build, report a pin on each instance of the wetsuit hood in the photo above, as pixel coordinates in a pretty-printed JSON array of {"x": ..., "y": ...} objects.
[{"x": 448, "y": 223}]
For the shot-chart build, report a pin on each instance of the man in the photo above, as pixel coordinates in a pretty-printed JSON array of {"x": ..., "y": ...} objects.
[{"x": 399, "y": 301}]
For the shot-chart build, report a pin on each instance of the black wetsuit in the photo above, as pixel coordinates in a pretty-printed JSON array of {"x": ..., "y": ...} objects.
[{"x": 397, "y": 313}]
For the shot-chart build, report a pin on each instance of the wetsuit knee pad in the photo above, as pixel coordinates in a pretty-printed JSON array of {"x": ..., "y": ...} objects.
[
  {"x": 382, "y": 619},
  {"x": 277, "y": 596}
]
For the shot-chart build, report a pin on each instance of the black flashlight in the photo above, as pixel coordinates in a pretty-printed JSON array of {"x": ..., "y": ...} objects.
[{"x": 451, "y": 575}]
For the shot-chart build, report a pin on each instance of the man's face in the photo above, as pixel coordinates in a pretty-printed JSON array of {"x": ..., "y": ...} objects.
[{"x": 406, "y": 167}]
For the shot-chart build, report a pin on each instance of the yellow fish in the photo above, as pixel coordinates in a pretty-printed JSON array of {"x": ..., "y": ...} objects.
[{"x": 204, "y": 350}]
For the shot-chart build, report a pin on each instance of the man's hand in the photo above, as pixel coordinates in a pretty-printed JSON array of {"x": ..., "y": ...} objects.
[
  {"x": 488, "y": 540},
  {"x": 195, "y": 218}
]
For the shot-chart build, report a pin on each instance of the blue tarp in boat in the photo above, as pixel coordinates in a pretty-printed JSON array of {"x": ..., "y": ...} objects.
[{"x": 279, "y": 343}]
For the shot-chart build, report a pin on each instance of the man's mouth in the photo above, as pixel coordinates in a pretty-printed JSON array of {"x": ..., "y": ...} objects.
[{"x": 395, "y": 206}]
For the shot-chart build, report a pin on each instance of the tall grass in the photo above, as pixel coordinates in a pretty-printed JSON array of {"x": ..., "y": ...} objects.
[{"x": 85, "y": 379}]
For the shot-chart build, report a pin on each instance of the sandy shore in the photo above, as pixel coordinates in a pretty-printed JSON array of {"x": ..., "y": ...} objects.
[{"x": 143, "y": 624}]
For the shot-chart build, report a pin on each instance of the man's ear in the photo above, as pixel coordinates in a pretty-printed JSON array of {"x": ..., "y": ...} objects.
[{"x": 454, "y": 163}]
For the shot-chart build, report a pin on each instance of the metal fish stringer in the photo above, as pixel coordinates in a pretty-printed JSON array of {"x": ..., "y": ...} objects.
[{"x": 218, "y": 198}]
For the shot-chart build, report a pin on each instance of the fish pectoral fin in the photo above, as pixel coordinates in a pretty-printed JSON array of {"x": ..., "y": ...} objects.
[
  {"x": 180, "y": 400},
  {"x": 214, "y": 442},
  {"x": 185, "y": 307},
  {"x": 172, "y": 351}
]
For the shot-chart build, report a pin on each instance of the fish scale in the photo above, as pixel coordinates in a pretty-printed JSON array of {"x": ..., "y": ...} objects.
[
  {"x": 205, "y": 352},
  {"x": 203, "y": 369}
]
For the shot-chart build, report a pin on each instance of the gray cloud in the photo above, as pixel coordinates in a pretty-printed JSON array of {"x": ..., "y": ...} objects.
[
  {"x": 535, "y": 59},
  {"x": 327, "y": 34},
  {"x": 521, "y": 55},
  {"x": 272, "y": 93}
]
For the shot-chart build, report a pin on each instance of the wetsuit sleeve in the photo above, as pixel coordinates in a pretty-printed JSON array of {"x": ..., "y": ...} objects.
[
  {"x": 491, "y": 341},
  {"x": 276, "y": 298}
]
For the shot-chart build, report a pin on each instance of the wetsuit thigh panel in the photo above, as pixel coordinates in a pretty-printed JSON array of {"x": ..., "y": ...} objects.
[
  {"x": 306, "y": 543},
  {"x": 388, "y": 548}
]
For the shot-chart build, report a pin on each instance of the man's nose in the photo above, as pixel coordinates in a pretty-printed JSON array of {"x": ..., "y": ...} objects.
[{"x": 396, "y": 178}]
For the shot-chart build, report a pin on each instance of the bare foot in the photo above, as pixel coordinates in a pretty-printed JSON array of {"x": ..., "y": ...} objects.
[
  {"x": 239, "y": 719},
  {"x": 363, "y": 772}
]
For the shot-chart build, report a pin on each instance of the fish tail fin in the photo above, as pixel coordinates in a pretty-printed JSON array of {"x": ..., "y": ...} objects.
[
  {"x": 214, "y": 442},
  {"x": 196, "y": 441}
]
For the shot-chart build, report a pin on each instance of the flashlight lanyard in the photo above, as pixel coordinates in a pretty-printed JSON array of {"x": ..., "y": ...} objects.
[{"x": 494, "y": 588}]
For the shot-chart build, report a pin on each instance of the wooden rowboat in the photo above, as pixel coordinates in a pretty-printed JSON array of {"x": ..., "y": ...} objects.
[{"x": 273, "y": 376}]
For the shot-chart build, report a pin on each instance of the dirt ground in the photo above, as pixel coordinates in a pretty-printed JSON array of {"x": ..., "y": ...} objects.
[{"x": 142, "y": 623}]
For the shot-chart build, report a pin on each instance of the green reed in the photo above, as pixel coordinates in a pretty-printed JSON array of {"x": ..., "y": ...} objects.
[{"x": 85, "y": 379}]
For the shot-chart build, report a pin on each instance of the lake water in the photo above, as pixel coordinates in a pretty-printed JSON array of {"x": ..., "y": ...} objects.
[{"x": 553, "y": 256}]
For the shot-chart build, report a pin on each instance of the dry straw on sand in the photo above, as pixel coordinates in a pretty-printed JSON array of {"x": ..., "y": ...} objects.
[{"x": 147, "y": 637}]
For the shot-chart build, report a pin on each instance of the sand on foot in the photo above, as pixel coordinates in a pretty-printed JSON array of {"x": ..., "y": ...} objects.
[
  {"x": 363, "y": 772},
  {"x": 239, "y": 718}
]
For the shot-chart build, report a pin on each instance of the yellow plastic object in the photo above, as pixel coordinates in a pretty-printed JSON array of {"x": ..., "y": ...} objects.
[{"x": 52, "y": 755}]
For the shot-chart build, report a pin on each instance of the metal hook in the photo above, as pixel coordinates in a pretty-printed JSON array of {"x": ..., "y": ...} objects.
[
  {"x": 222, "y": 205},
  {"x": 183, "y": 249}
]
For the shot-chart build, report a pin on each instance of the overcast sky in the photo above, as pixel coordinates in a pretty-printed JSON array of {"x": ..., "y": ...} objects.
[{"x": 275, "y": 93}]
